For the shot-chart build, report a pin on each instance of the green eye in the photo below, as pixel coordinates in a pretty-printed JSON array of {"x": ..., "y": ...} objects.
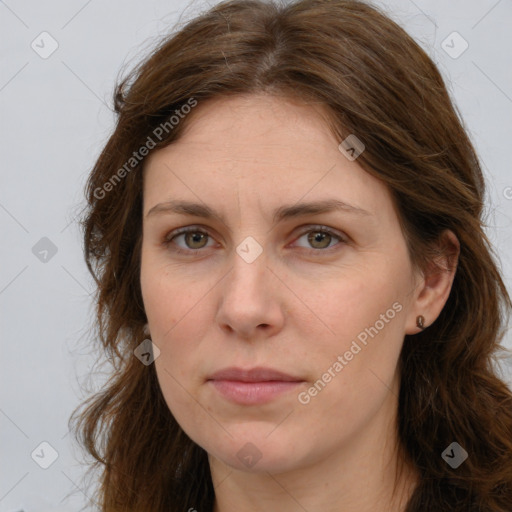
[
  {"x": 319, "y": 238},
  {"x": 195, "y": 239}
]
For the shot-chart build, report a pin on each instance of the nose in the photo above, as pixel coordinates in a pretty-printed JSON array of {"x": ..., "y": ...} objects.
[{"x": 251, "y": 303}]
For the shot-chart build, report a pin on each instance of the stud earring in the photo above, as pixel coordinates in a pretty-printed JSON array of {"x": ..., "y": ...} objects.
[{"x": 420, "y": 321}]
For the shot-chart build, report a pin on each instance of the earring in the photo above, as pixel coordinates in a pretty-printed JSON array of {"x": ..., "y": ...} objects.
[
  {"x": 146, "y": 330},
  {"x": 420, "y": 320}
]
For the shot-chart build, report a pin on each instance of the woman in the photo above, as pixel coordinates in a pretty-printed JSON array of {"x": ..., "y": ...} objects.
[{"x": 294, "y": 285}]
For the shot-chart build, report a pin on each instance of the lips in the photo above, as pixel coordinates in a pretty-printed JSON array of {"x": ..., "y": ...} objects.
[
  {"x": 258, "y": 374},
  {"x": 254, "y": 386}
]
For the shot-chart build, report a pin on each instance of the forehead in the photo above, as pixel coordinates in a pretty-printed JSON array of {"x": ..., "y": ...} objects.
[
  {"x": 244, "y": 124},
  {"x": 259, "y": 145}
]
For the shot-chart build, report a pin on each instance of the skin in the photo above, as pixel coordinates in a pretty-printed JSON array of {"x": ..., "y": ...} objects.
[{"x": 296, "y": 308}]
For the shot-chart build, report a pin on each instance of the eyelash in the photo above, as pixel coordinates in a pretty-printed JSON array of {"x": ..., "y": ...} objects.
[{"x": 191, "y": 252}]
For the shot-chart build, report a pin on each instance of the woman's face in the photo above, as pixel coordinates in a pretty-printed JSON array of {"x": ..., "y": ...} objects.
[{"x": 279, "y": 277}]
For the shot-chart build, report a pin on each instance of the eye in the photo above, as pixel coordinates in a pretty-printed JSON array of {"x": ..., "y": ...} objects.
[
  {"x": 320, "y": 237},
  {"x": 195, "y": 239}
]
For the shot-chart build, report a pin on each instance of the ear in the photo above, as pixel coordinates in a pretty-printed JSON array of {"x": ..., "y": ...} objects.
[{"x": 433, "y": 287}]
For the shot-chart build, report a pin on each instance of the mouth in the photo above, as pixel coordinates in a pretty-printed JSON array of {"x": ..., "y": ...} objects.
[{"x": 253, "y": 386}]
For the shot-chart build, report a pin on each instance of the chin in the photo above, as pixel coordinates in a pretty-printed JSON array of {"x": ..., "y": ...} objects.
[{"x": 257, "y": 453}]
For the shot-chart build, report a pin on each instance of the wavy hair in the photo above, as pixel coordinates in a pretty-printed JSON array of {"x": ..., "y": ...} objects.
[{"x": 379, "y": 84}]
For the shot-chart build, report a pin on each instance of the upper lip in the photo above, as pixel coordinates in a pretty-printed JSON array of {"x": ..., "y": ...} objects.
[{"x": 258, "y": 374}]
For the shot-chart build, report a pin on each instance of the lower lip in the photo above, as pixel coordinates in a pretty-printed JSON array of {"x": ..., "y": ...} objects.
[{"x": 252, "y": 393}]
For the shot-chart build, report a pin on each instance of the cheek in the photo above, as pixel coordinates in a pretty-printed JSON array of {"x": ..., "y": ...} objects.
[
  {"x": 169, "y": 295},
  {"x": 354, "y": 300},
  {"x": 365, "y": 314},
  {"x": 174, "y": 311},
  {"x": 177, "y": 328},
  {"x": 354, "y": 370}
]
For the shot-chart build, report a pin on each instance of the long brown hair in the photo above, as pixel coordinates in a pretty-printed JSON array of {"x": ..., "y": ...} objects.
[{"x": 378, "y": 84}]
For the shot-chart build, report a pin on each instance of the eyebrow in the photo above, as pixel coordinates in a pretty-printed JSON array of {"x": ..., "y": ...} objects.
[{"x": 279, "y": 214}]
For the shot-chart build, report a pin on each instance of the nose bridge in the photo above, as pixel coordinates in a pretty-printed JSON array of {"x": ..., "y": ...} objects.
[
  {"x": 248, "y": 297},
  {"x": 249, "y": 269}
]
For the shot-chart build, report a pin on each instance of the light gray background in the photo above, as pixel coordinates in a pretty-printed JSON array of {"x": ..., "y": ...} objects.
[{"x": 55, "y": 117}]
